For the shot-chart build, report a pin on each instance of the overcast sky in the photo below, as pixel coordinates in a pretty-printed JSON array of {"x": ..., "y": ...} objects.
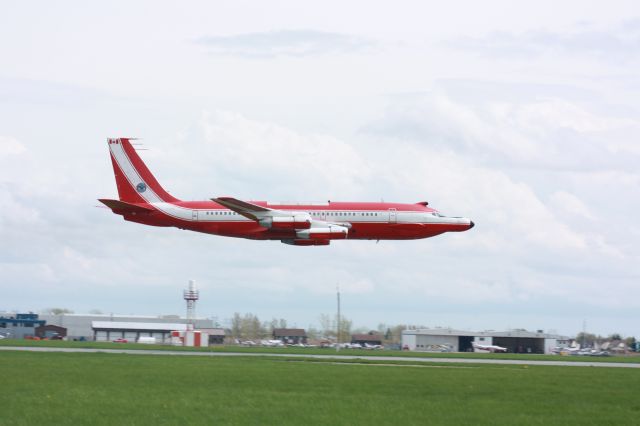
[{"x": 523, "y": 117}]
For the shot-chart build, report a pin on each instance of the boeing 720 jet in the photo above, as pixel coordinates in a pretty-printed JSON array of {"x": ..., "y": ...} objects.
[{"x": 143, "y": 200}]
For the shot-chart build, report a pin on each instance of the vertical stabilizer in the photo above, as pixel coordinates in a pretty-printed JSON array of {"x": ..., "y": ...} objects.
[{"x": 135, "y": 182}]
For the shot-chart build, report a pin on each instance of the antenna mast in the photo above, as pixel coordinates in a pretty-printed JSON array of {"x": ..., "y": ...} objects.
[
  {"x": 191, "y": 295},
  {"x": 338, "y": 320}
]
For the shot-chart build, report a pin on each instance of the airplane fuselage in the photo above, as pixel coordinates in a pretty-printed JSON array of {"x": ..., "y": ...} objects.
[{"x": 367, "y": 221}]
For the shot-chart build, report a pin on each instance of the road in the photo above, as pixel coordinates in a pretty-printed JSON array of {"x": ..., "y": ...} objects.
[{"x": 328, "y": 357}]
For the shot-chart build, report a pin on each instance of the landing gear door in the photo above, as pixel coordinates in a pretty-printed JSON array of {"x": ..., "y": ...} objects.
[{"x": 393, "y": 216}]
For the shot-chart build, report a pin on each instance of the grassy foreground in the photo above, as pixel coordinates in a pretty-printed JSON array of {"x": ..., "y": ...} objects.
[
  {"x": 631, "y": 358},
  {"x": 104, "y": 389}
]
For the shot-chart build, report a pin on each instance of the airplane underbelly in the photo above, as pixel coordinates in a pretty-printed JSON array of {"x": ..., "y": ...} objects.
[
  {"x": 241, "y": 229},
  {"x": 358, "y": 231},
  {"x": 394, "y": 231}
]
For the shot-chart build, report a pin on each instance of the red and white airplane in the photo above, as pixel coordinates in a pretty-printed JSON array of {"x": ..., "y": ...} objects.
[{"x": 143, "y": 200}]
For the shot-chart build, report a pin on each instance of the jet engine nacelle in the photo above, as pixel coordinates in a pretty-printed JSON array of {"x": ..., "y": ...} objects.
[
  {"x": 330, "y": 232},
  {"x": 286, "y": 222}
]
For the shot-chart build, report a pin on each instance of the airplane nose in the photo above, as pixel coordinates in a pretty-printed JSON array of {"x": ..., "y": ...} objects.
[{"x": 471, "y": 225}]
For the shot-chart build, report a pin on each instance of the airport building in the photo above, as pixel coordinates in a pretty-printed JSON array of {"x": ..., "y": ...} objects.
[
  {"x": 216, "y": 335},
  {"x": 515, "y": 341},
  {"x": 19, "y": 326},
  {"x": 160, "y": 332},
  {"x": 371, "y": 338},
  {"x": 50, "y": 331},
  {"x": 108, "y": 331},
  {"x": 80, "y": 327},
  {"x": 290, "y": 335}
]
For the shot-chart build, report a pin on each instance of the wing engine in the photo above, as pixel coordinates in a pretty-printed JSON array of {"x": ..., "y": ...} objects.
[
  {"x": 324, "y": 231},
  {"x": 300, "y": 221}
]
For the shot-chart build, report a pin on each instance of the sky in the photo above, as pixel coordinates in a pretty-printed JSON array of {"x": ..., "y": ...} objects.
[{"x": 523, "y": 117}]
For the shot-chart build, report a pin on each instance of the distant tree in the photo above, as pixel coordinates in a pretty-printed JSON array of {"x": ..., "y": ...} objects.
[
  {"x": 96, "y": 312},
  {"x": 327, "y": 328},
  {"x": 586, "y": 339},
  {"x": 328, "y": 325},
  {"x": 387, "y": 334},
  {"x": 361, "y": 330},
  {"x": 251, "y": 328},
  {"x": 630, "y": 342},
  {"x": 396, "y": 333},
  {"x": 236, "y": 325},
  {"x": 277, "y": 323},
  {"x": 344, "y": 334},
  {"x": 615, "y": 336},
  {"x": 57, "y": 311},
  {"x": 313, "y": 333}
]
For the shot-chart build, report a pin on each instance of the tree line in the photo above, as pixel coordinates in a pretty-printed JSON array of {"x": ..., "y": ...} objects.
[
  {"x": 590, "y": 339},
  {"x": 249, "y": 327}
]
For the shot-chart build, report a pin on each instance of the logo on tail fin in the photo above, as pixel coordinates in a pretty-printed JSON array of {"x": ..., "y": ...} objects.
[{"x": 141, "y": 187}]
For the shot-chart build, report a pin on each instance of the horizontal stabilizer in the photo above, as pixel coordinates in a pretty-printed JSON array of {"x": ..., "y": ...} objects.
[{"x": 122, "y": 207}]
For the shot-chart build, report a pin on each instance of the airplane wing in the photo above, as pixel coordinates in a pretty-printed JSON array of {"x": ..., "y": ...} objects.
[
  {"x": 256, "y": 212},
  {"x": 248, "y": 210},
  {"x": 305, "y": 229}
]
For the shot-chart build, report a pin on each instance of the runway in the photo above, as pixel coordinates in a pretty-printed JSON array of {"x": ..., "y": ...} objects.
[{"x": 329, "y": 357}]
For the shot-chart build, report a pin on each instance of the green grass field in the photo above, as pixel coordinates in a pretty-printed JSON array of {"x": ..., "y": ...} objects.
[
  {"x": 105, "y": 389},
  {"x": 632, "y": 358}
]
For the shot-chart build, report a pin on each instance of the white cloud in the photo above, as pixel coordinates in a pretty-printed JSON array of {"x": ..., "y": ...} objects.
[
  {"x": 293, "y": 43},
  {"x": 269, "y": 160},
  {"x": 552, "y": 113},
  {"x": 10, "y": 146},
  {"x": 621, "y": 42},
  {"x": 570, "y": 204},
  {"x": 546, "y": 133},
  {"x": 15, "y": 212}
]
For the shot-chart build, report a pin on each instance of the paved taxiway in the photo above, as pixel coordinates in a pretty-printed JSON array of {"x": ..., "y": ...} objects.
[{"x": 329, "y": 357}]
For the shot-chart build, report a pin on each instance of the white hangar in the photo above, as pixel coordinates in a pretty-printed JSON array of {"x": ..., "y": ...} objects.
[{"x": 447, "y": 339}]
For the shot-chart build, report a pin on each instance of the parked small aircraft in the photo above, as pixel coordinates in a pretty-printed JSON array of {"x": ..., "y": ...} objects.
[
  {"x": 143, "y": 200},
  {"x": 370, "y": 346},
  {"x": 271, "y": 342},
  {"x": 487, "y": 348}
]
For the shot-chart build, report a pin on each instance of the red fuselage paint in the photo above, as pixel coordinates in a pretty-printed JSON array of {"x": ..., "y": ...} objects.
[{"x": 369, "y": 221}]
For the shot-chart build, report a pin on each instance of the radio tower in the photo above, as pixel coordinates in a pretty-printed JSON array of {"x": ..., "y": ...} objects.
[{"x": 191, "y": 295}]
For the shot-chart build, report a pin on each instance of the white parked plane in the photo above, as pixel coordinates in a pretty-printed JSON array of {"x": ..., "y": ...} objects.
[
  {"x": 271, "y": 343},
  {"x": 487, "y": 348}
]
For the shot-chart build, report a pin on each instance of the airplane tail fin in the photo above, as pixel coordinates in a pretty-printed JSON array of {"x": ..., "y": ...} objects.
[{"x": 136, "y": 184}]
